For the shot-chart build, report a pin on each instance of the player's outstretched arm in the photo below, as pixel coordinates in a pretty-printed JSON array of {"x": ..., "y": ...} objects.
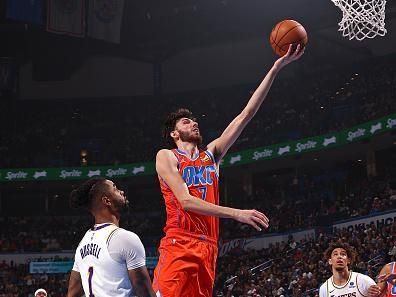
[
  {"x": 220, "y": 146},
  {"x": 166, "y": 165},
  {"x": 141, "y": 282},
  {"x": 75, "y": 286}
]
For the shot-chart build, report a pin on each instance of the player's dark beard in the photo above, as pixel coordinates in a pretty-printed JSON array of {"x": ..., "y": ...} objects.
[
  {"x": 186, "y": 137},
  {"x": 122, "y": 206}
]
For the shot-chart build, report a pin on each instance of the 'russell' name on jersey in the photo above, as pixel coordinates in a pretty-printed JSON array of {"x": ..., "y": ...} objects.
[{"x": 90, "y": 249}]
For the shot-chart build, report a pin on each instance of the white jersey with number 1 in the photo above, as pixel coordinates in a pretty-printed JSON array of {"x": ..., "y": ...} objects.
[
  {"x": 356, "y": 286},
  {"x": 103, "y": 258}
]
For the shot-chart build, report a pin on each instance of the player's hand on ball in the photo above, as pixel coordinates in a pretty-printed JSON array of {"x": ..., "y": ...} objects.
[
  {"x": 291, "y": 55},
  {"x": 252, "y": 217}
]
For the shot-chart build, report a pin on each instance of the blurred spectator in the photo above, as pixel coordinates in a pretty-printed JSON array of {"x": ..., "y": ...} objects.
[{"x": 40, "y": 293}]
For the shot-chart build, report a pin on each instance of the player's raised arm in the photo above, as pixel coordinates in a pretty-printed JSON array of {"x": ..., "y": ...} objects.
[
  {"x": 220, "y": 146},
  {"x": 166, "y": 165}
]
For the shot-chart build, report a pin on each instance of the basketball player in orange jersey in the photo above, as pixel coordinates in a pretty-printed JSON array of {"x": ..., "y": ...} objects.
[
  {"x": 189, "y": 179},
  {"x": 386, "y": 280}
]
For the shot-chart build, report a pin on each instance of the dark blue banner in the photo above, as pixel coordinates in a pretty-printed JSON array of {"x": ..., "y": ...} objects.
[{"x": 30, "y": 11}]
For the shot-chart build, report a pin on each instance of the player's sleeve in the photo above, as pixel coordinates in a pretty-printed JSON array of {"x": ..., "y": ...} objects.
[
  {"x": 213, "y": 158},
  {"x": 211, "y": 155},
  {"x": 75, "y": 265},
  {"x": 323, "y": 290},
  {"x": 363, "y": 283},
  {"x": 126, "y": 247}
]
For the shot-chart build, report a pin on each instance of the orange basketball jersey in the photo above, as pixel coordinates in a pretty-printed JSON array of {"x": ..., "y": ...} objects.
[
  {"x": 391, "y": 288},
  {"x": 200, "y": 174}
]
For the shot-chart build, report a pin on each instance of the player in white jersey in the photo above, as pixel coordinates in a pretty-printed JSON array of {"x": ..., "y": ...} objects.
[
  {"x": 344, "y": 282},
  {"x": 109, "y": 261}
]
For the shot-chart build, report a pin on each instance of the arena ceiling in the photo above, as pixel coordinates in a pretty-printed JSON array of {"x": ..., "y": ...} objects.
[
  {"x": 161, "y": 29},
  {"x": 154, "y": 31}
]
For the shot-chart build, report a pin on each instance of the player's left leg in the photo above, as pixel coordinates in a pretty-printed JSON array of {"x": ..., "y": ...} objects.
[{"x": 206, "y": 273}]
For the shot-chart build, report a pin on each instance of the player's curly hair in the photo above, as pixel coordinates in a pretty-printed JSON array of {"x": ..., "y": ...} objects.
[
  {"x": 82, "y": 197},
  {"x": 351, "y": 253},
  {"x": 170, "y": 124}
]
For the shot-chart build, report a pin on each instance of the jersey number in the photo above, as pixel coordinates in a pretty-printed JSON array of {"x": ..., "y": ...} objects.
[
  {"x": 203, "y": 192},
  {"x": 90, "y": 274}
]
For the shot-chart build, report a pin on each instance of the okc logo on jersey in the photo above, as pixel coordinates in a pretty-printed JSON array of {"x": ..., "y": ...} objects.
[{"x": 198, "y": 175}]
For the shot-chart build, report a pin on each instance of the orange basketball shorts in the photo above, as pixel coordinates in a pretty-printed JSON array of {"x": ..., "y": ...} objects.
[{"x": 186, "y": 266}]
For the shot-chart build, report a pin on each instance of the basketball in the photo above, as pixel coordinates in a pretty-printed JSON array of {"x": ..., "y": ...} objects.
[{"x": 285, "y": 33}]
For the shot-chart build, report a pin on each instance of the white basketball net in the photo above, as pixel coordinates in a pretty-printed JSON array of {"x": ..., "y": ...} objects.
[{"x": 362, "y": 18}]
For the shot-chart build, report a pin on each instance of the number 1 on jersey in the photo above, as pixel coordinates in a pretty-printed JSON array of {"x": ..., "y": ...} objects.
[
  {"x": 203, "y": 192},
  {"x": 90, "y": 274}
]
